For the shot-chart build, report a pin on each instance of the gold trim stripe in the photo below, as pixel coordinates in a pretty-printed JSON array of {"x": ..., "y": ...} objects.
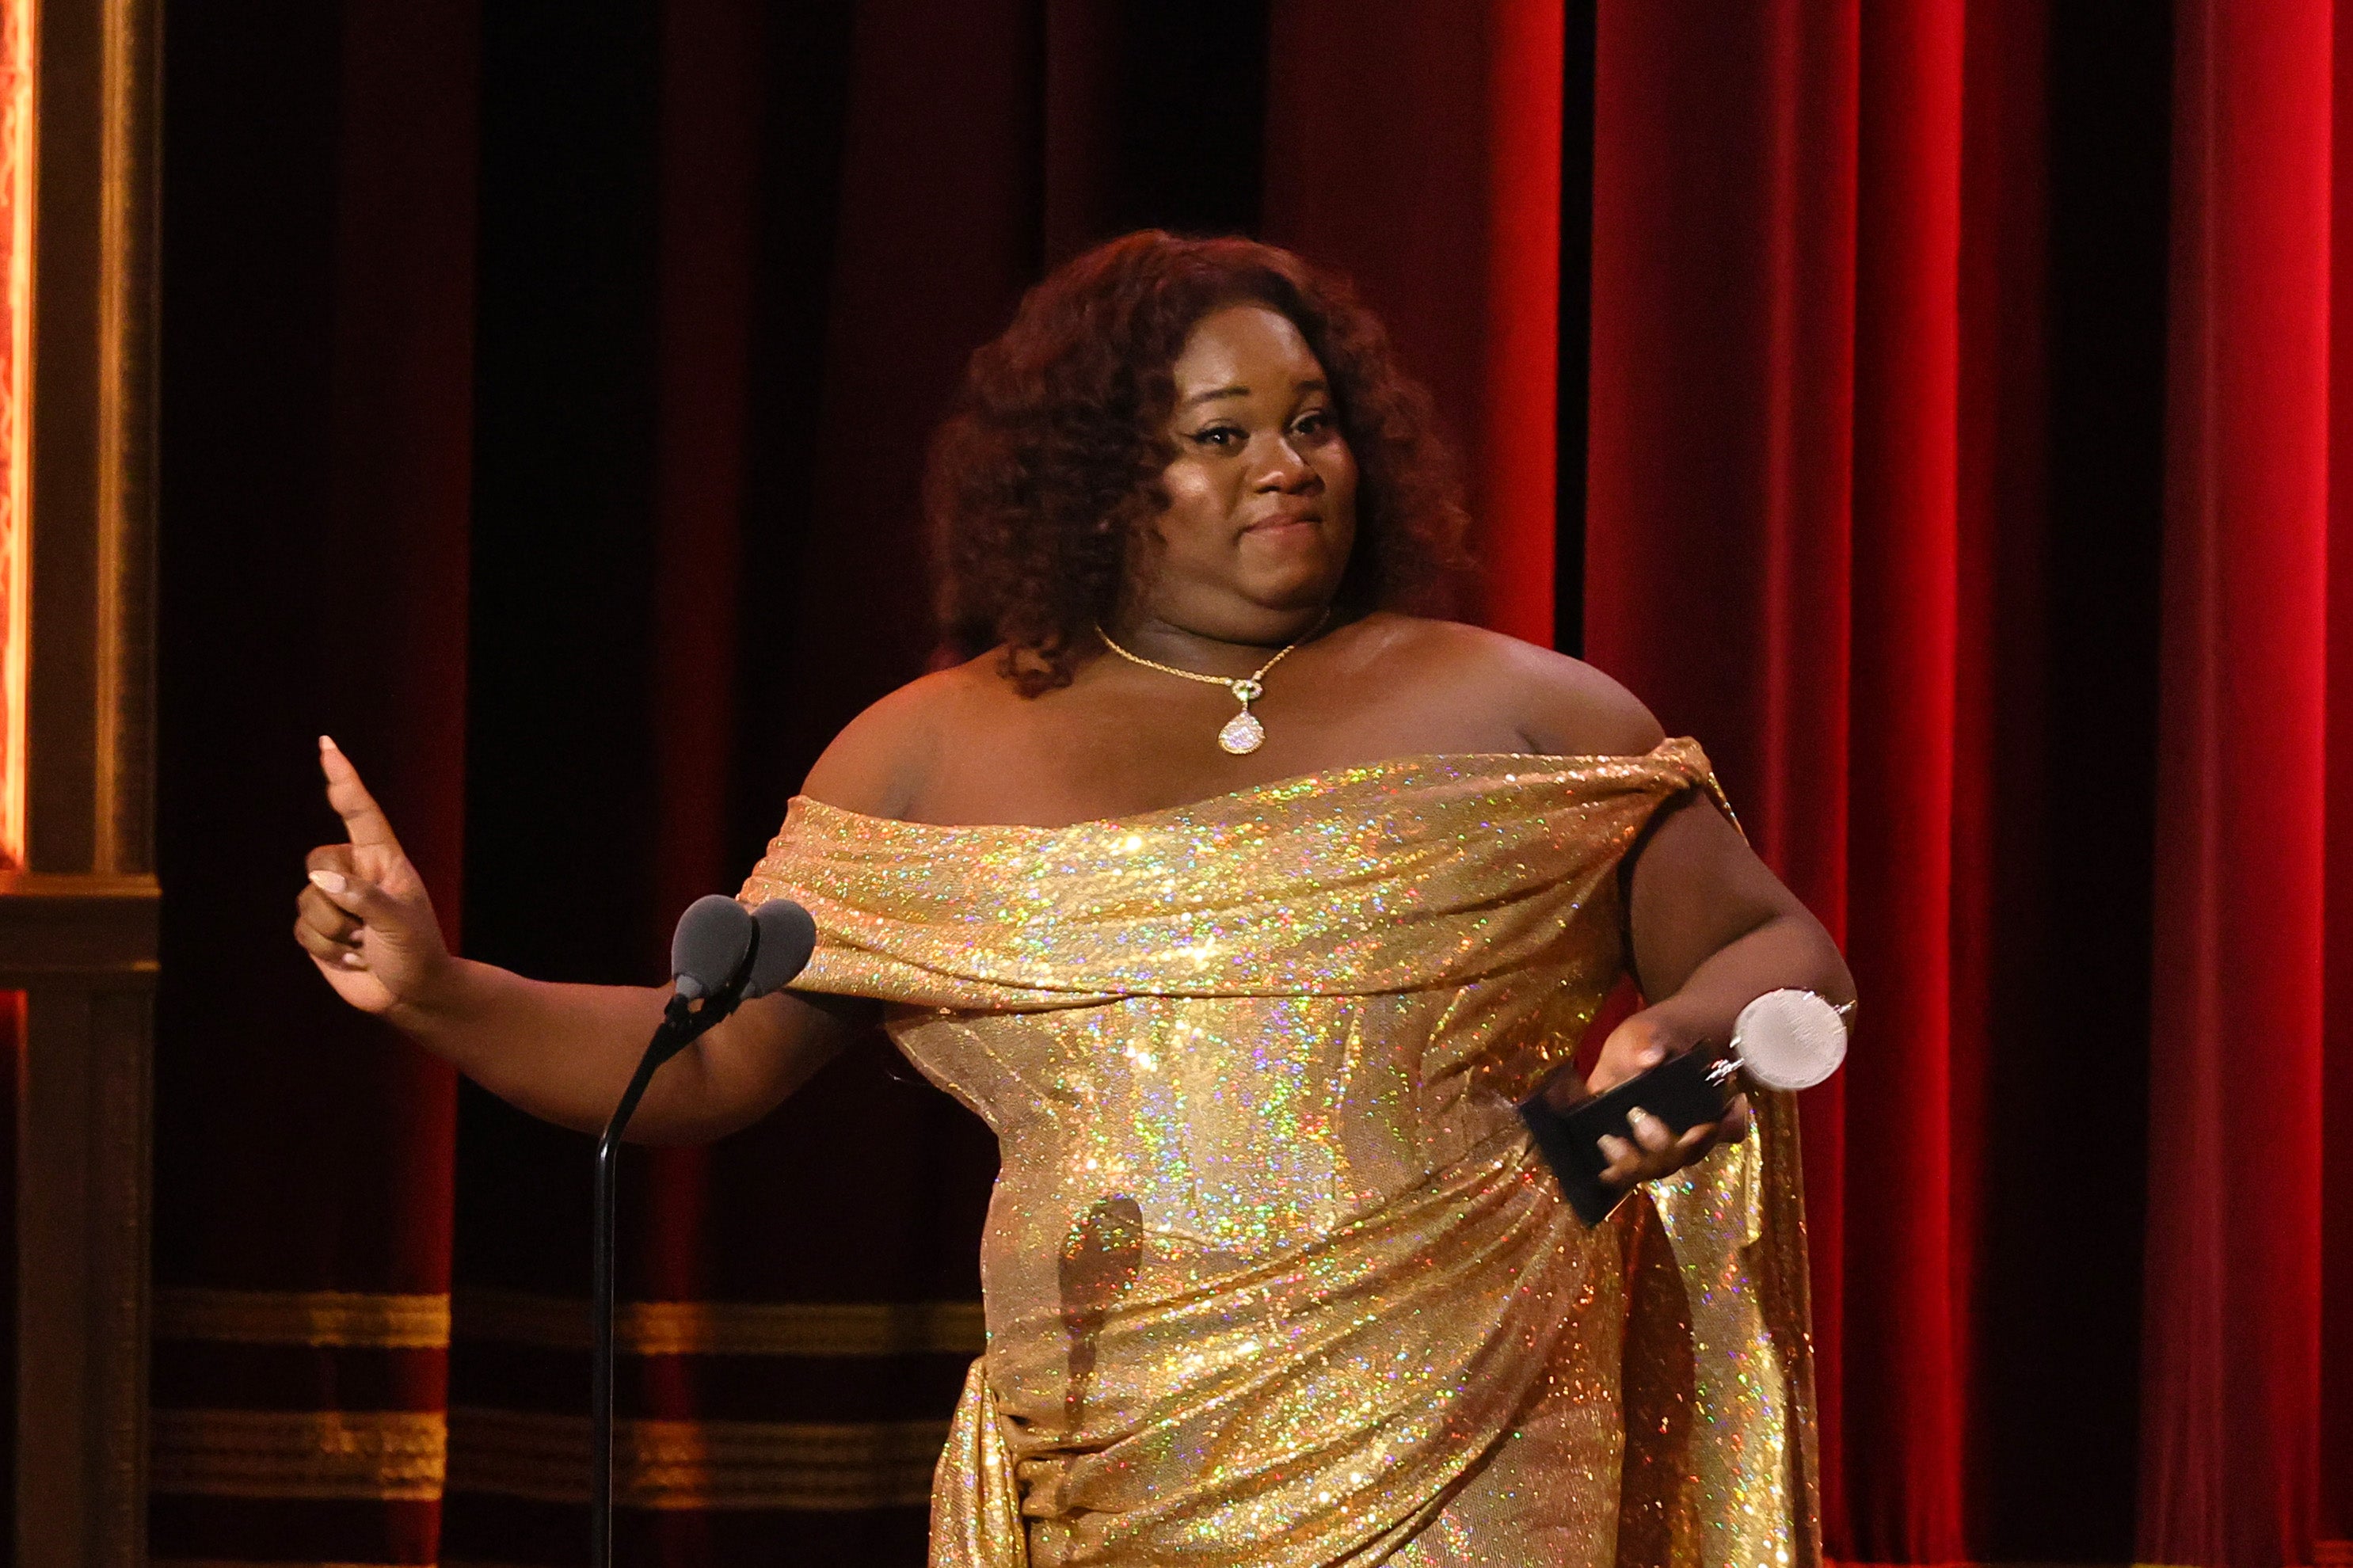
[
  {"x": 408, "y": 1456},
  {"x": 801, "y": 1466},
  {"x": 335, "y": 1454},
  {"x": 238, "y": 1563},
  {"x": 380, "y": 1321},
  {"x": 320, "y": 1318},
  {"x": 729, "y": 1328}
]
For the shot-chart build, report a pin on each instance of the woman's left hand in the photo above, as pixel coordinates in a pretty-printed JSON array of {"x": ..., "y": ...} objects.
[{"x": 1636, "y": 1046}]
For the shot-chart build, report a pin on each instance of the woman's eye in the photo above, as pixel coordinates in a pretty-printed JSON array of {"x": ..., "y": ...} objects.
[
  {"x": 1223, "y": 437},
  {"x": 1316, "y": 422}
]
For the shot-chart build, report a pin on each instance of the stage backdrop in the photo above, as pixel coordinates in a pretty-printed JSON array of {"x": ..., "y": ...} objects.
[{"x": 1930, "y": 407}]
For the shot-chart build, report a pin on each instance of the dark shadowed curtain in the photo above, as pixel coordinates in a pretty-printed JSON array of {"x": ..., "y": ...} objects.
[
  {"x": 1930, "y": 407},
  {"x": 318, "y": 433}
]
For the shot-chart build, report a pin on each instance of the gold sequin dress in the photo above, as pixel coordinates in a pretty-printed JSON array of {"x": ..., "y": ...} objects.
[{"x": 1273, "y": 1276}]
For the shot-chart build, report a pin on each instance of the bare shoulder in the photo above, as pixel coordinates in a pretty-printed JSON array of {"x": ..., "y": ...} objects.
[
  {"x": 880, "y": 759},
  {"x": 1561, "y": 705}
]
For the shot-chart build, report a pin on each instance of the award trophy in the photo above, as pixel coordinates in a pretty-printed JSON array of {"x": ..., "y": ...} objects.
[{"x": 1783, "y": 1039}]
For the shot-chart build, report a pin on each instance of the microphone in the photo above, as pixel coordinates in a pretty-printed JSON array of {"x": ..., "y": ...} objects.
[
  {"x": 787, "y": 937},
  {"x": 711, "y": 940},
  {"x": 723, "y": 953}
]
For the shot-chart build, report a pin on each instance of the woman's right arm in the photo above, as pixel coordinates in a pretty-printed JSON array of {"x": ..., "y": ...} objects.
[{"x": 561, "y": 1052}]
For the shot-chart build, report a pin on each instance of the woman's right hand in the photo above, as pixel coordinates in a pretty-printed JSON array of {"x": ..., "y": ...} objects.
[{"x": 365, "y": 919}]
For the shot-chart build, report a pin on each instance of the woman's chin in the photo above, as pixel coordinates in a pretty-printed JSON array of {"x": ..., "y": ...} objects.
[
  {"x": 1304, "y": 580},
  {"x": 1304, "y": 594}
]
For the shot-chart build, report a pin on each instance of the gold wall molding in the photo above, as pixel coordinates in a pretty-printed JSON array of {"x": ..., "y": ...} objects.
[
  {"x": 89, "y": 688},
  {"x": 76, "y": 925},
  {"x": 792, "y": 1465},
  {"x": 17, "y": 152},
  {"x": 77, "y": 930},
  {"x": 330, "y": 1455}
]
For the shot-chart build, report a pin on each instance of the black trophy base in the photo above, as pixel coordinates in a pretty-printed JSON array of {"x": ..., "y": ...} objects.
[{"x": 1682, "y": 1091}]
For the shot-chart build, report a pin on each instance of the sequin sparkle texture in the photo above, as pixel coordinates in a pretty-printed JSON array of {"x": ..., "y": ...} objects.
[{"x": 1274, "y": 1277}]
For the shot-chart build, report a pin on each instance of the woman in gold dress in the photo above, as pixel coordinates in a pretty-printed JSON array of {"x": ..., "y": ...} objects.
[{"x": 1244, "y": 905}]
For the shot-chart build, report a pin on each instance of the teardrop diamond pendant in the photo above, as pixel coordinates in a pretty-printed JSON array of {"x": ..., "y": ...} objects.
[{"x": 1243, "y": 733}]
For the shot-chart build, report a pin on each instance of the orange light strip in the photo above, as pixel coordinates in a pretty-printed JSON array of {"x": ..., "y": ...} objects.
[{"x": 16, "y": 125}]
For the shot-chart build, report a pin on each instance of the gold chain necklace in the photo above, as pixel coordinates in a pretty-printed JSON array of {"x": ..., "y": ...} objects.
[{"x": 1243, "y": 733}]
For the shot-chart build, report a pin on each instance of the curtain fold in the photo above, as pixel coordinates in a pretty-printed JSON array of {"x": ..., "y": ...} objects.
[
  {"x": 1905, "y": 1282},
  {"x": 2336, "y": 1436},
  {"x": 2231, "y": 1347}
]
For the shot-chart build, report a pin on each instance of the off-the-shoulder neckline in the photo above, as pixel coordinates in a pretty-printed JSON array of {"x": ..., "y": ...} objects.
[{"x": 1347, "y": 772}]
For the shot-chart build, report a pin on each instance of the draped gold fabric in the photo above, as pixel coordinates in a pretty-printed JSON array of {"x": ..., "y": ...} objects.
[{"x": 1273, "y": 1277}]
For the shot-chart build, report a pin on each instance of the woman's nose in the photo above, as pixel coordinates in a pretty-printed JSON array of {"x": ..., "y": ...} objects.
[{"x": 1285, "y": 469}]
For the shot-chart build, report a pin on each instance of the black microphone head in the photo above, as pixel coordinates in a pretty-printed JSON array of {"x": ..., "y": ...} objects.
[
  {"x": 787, "y": 937},
  {"x": 710, "y": 941}
]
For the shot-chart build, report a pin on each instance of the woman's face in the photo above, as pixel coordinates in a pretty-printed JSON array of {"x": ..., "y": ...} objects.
[{"x": 1262, "y": 492}]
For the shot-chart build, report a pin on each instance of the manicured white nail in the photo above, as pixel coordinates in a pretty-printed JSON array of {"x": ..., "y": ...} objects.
[
  {"x": 327, "y": 743},
  {"x": 353, "y": 961},
  {"x": 328, "y": 881}
]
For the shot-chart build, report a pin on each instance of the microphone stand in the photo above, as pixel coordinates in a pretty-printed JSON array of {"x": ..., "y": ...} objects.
[{"x": 681, "y": 1024}]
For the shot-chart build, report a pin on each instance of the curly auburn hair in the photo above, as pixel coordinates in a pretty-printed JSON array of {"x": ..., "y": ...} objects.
[{"x": 1049, "y": 463}]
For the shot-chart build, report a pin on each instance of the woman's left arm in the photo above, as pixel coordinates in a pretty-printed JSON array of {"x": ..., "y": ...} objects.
[{"x": 1713, "y": 930}]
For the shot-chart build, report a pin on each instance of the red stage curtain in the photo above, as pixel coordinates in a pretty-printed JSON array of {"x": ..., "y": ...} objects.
[
  {"x": 1463, "y": 130},
  {"x": 1737, "y": 333},
  {"x": 1815, "y": 537},
  {"x": 585, "y": 516},
  {"x": 2230, "y": 1422},
  {"x": 1838, "y": 527},
  {"x": 2335, "y": 1503}
]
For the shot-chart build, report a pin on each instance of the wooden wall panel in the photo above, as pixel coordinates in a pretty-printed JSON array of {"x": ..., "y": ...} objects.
[{"x": 77, "y": 919}]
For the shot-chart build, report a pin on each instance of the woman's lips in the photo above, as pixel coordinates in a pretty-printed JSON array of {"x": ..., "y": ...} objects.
[{"x": 1285, "y": 522}]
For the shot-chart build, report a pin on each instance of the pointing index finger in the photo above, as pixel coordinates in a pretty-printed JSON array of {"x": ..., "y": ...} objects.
[{"x": 363, "y": 818}]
